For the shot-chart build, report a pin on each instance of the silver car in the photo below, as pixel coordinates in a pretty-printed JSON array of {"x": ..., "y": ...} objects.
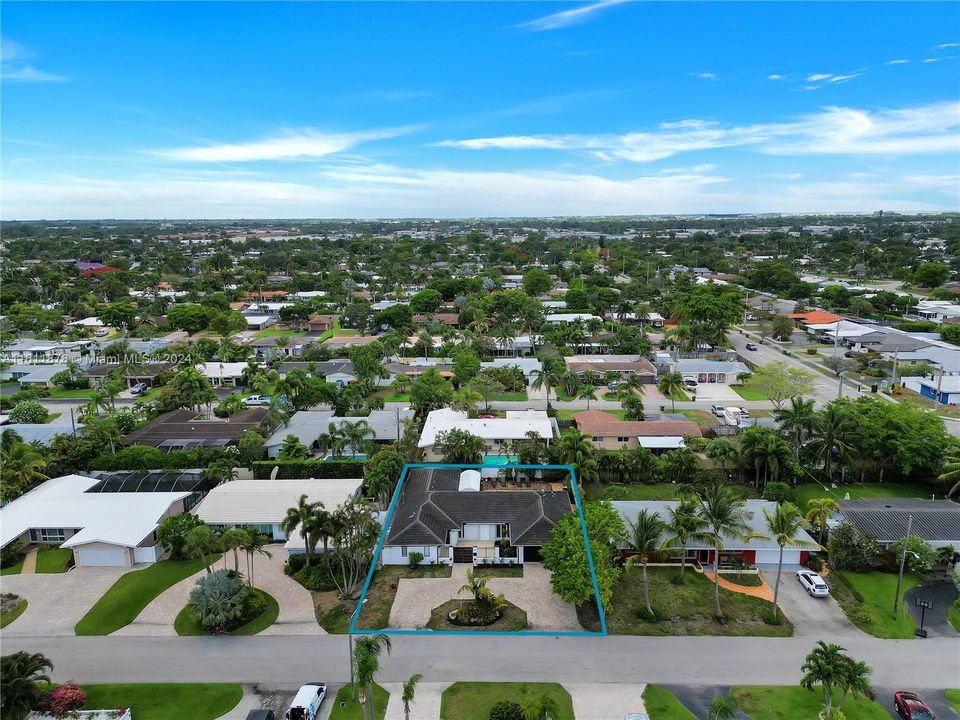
[{"x": 813, "y": 583}]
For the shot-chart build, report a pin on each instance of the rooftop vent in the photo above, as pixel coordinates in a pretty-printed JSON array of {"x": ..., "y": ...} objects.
[{"x": 469, "y": 481}]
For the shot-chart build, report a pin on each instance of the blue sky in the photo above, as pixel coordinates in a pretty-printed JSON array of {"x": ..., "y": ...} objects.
[{"x": 476, "y": 109}]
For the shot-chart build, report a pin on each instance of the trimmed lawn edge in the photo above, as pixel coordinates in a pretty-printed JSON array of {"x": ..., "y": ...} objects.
[
  {"x": 165, "y": 701},
  {"x": 352, "y": 710},
  {"x": 953, "y": 697},
  {"x": 661, "y": 704},
  {"x": 473, "y": 700},
  {"x": 11, "y": 615},
  {"x": 186, "y": 624}
]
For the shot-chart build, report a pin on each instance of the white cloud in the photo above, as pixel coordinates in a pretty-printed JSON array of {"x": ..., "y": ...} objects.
[
  {"x": 896, "y": 62},
  {"x": 705, "y": 75},
  {"x": 291, "y": 145},
  {"x": 834, "y": 130},
  {"x": 817, "y": 77},
  {"x": 566, "y": 18},
  {"x": 13, "y": 67},
  {"x": 927, "y": 61},
  {"x": 776, "y": 77},
  {"x": 943, "y": 46},
  {"x": 844, "y": 78}
]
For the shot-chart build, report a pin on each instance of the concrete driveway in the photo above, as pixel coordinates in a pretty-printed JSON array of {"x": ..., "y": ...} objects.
[
  {"x": 57, "y": 601},
  {"x": 716, "y": 393},
  {"x": 811, "y": 617},
  {"x": 425, "y": 705},
  {"x": 605, "y": 701},
  {"x": 417, "y": 597},
  {"x": 941, "y": 593}
]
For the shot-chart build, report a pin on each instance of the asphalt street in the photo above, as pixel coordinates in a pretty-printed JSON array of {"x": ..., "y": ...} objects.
[{"x": 933, "y": 663}]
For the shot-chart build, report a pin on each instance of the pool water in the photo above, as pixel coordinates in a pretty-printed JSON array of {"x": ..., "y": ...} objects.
[{"x": 499, "y": 460}]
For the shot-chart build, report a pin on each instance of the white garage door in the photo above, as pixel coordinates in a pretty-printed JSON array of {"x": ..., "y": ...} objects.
[{"x": 99, "y": 557}]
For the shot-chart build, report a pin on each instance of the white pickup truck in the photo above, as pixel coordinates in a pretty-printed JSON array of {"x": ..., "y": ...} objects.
[{"x": 306, "y": 703}]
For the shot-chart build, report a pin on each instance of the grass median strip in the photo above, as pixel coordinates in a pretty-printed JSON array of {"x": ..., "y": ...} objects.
[
  {"x": 345, "y": 706},
  {"x": 186, "y": 622},
  {"x": 129, "y": 595},
  {"x": 166, "y": 701},
  {"x": 11, "y": 615},
  {"x": 772, "y": 702},
  {"x": 662, "y": 705},
  {"x": 473, "y": 700}
]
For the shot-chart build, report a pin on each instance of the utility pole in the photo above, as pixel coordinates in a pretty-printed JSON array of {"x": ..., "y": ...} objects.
[
  {"x": 903, "y": 560},
  {"x": 896, "y": 359}
]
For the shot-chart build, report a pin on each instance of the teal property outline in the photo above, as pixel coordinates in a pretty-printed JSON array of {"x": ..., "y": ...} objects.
[{"x": 353, "y": 630}]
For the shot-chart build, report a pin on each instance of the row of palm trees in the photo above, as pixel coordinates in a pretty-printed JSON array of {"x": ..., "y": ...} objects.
[
  {"x": 716, "y": 513},
  {"x": 202, "y": 542}
]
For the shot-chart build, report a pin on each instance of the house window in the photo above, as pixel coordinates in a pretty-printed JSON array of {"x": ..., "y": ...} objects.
[
  {"x": 498, "y": 441},
  {"x": 623, "y": 439},
  {"x": 48, "y": 535},
  {"x": 403, "y": 551},
  {"x": 597, "y": 438},
  {"x": 503, "y": 531}
]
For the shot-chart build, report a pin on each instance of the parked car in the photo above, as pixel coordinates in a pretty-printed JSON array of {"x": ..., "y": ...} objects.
[
  {"x": 261, "y": 714},
  {"x": 717, "y": 410},
  {"x": 751, "y": 346},
  {"x": 257, "y": 400},
  {"x": 910, "y": 707},
  {"x": 101, "y": 332},
  {"x": 744, "y": 413},
  {"x": 690, "y": 381},
  {"x": 812, "y": 583},
  {"x": 137, "y": 389},
  {"x": 306, "y": 703}
]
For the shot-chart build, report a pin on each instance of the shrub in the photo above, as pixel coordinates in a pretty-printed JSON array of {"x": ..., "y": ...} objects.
[
  {"x": 11, "y": 554},
  {"x": 218, "y": 601},
  {"x": 851, "y": 550},
  {"x": 414, "y": 559},
  {"x": 811, "y": 351},
  {"x": 506, "y": 710},
  {"x": 779, "y": 492},
  {"x": 28, "y": 411},
  {"x": 66, "y": 698},
  {"x": 614, "y": 492},
  {"x": 254, "y": 603},
  {"x": 920, "y": 555},
  {"x": 316, "y": 578},
  {"x": 298, "y": 469},
  {"x": 294, "y": 564},
  {"x": 815, "y": 563}
]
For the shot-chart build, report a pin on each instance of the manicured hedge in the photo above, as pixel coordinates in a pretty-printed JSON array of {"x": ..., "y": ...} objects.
[{"x": 295, "y": 469}]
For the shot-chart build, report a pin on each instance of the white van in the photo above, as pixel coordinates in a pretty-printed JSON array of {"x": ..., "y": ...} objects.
[
  {"x": 306, "y": 703},
  {"x": 102, "y": 332}
]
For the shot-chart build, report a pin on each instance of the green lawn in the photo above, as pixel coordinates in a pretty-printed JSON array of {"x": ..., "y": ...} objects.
[
  {"x": 662, "y": 705},
  {"x": 872, "y": 611},
  {"x": 678, "y": 395},
  {"x": 186, "y": 622},
  {"x": 11, "y": 615},
  {"x": 12, "y": 570},
  {"x": 53, "y": 560},
  {"x": 396, "y": 397},
  {"x": 953, "y": 697},
  {"x": 473, "y": 700},
  {"x": 129, "y": 595},
  {"x": 166, "y": 701},
  {"x": 683, "y": 609},
  {"x": 383, "y": 589},
  {"x": 810, "y": 491},
  {"x": 567, "y": 414},
  {"x": 773, "y": 702},
  {"x": 953, "y": 617},
  {"x": 510, "y": 397},
  {"x": 51, "y": 417},
  {"x": 908, "y": 397},
  {"x": 633, "y": 491},
  {"x": 748, "y": 393},
  {"x": 704, "y": 420},
  {"x": 352, "y": 710},
  {"x": 277, "y": 332},
  {"x": 81, "y": 394}
]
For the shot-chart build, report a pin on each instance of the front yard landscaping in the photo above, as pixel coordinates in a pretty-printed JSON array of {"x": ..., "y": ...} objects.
[
  {"x": 495, "y": 571},
  {"x": 512, "y": 619},
  {"x": 632, "y": 491},
  {"x": 345, "y": 707},
  {"x": 867, "y": 599},
  {"x": 774, "y": 702},
  {"x": 473, "y": 700},
  {"x": 186, "y": 622},
  {"x": 858, "y": 491},
  {"x": 568, "y": 413},
  {"x": 662, "y": 705},
  {"x": 375, "y": 614},
  {"x": 748, "y": 393},
  {"x": 53, "y": 560},
  {"x": 682, "y": 609},
  {"x": 129, "y": 595},
  {"x": 12, "y": 570},
  {"x": 11, "y": 607},
  {"x": 953, "y": 697},
  {"x": 166, "y": 701}
]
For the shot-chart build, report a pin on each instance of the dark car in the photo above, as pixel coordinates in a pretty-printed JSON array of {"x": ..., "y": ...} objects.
[
  {"x": 261, "y": 715},
  {"x": 910, "y": 707},
  {"x": 751, "y": 346}
]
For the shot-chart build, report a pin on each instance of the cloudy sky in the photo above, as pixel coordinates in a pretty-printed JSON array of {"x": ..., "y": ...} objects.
[{"x": 177, "y": 110}]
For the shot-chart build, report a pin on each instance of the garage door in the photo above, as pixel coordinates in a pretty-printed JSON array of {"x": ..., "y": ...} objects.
[{"x": 100, "y": 557}]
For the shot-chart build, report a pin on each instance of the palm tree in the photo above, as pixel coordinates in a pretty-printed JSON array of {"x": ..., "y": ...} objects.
[
  {"x": 796, "y": 420},
  {"x": 829, "y": 667},
  {"x": 635, "y": 383},
  {"x": 20, "y": 469},
  {"x": 201, "y": 542},
  {"x": 276, "y": 413},
  {"x": 834, "y": 428},
  {"x": 951, "y": 471},
  {"x": 408, "y": 693},
  {"x": 722, "y": 451},
  {"x": 644, "y": 539},
  {"x": 466, "y": 400},
  {"x": 354, "y": 433},
  {"x": 671, "y": 385},
  {"x": 400, "y": 384},
  {"x": 541, "y": 708},
  {"x": 20, "y": 675},
  {"x": 819, "y": 511},
  {"x": 329, "y": 440},
  {"x": 320, "y": 528},
  {"x": 299, "y": 516},
  {"x": 588, "y": 393},
  {"x": 726, "y": 516},
  {"x": 366, "y": 660},
  {"x": 549, "y": 376},
  {"x": 254, "y": 544},
  {"x": 782, "y": 327},
  {"x": 724, "y": 707},
  {"x": 783, "y": 524},
  {"x": 684, "y": 524},
  {"x": 574, "y": 448}
]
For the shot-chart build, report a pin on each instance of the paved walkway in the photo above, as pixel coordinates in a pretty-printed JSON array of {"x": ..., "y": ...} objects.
[
  {"x": 764, "y": 591},
  {"x": 425, "y": 705},
  {"x": 417, "y": 597},
  {"x": 30, "y": 562},
  {"x": 605, "y": 701},
  {"x": 811, "y": 617},
  {"x": 297, "y": 616}
]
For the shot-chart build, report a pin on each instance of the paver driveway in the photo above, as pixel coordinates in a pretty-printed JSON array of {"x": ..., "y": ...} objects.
[
  {"x": 417, "y": 597},
  {"x": 605, "y": 701},
  {"x": 425, "y": 705},
  {"x": 57, "y": 601},
  {"x": 813, "y": 617},
  {"x": 297, "y": 616}
]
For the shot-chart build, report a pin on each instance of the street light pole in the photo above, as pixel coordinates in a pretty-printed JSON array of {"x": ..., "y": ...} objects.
[{"x": 903, "y": 560}]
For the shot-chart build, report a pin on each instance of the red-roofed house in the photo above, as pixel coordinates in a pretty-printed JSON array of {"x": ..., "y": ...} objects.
[
  {"x": 611, "y": 433},
  {"x": 814, "y": 317}
]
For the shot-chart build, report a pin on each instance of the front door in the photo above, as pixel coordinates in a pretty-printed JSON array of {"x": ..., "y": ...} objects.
[{"x": 463, "y": 554}]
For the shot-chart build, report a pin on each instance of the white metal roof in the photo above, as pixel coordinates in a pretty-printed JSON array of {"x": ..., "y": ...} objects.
[
  {"x": 114, "y": 518},
  {"x": 244, "y": 502},
  {"x": 514, "y": 426},
  {"x": 660, "y": 443}
]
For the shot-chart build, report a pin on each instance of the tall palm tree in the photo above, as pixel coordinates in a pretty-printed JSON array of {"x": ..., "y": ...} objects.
[
  {"x": 20, "y": 469},
  {"x": 549, "y": 376},
  {"x": 819, "y": 511},
  {"x": 721, "y": 451},
  {"x": 726, "y": 516},
  {"x": 409, "y": 692},
  {"x": 951, "y": 471},
  {"x": 541, "y": 708},
  {"x": 366, "y": 660},
  {"x": 671, "y": 385},
  {"x": 684, "y": 523},
  {"x": 829, "y": 667},
  {"x": 466, "y": 400},
  {"x": 782, "y": 327},
  {"x": 329, "y": 440},
  {"x": 796, "y": 420},
  {"x": 834, "y": 429},
  {"x": 277, "y": 414},
  {"x": 783, "y": 524},
  {"x": 635, "y": 383},
  {"x": 574, "y": 448},
  {"x": 588, "y": 393},
  {"x": 201, "y": 543},
  {"x": 20, "y": 674},
  {"x": 644, "y": 539},
  {"x": 354, "y": 434},
  {"x": 254, "y": 544},
  {"x": 300, "y": 516},
  {"x": 233, "y": 539}
]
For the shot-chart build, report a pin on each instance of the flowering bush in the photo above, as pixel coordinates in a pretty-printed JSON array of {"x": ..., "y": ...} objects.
[{"x": 67, "y": 697}]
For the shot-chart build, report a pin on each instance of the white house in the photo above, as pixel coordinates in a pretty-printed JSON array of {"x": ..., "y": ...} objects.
[
  {"x": 102, "y": 527},
  {"x": 497, "y": 433},
  {"x": 569, "y": 318},
  {"x": 221, "y": 374},
  {"x": 307, "y": 425}
]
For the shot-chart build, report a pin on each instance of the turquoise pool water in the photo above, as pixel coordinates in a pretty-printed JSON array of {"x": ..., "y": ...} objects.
[
  {"x": 499, "y": 460},
  {"x": 360, "y": 456}
]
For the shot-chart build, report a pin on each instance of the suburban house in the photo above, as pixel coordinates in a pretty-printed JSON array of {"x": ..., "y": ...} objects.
[
  {"x": 259, "y": 322},
  {"x": 36, "y": 375},
  {"x": 146, "y": 373},
  {"x": 944, "y": 389},
  {"x": 450, "y": 515},
  {"x": 449, "y": 319},
  {"x": 937, "y": 310},
  {"x": 106, "y": 521},
  {"x": 263, "y": 504},
  {"x": 623, "y": 365},
  {"x": 184, "y": 430},
  {"x": 321, "y": 323},
  {"x": 337, "y": 372},
  {"x": 711, "y": 371},
  {"x": 307, "y": 425},
  {"x": 43, "y": 433},
  {"x": 885, "y": 519},
  {"x": 223, "y": 374},
  {"x": 519, "y": 345},
  {"x": 611, "y": 433},
  {"x": 736, "y": 551},
  {"x": 43, "y": 352},
  {"x": 275, "y": 346},
  {"x": 348, "y": 341},
  {"x": 529, "y": 366},
  {"x": 497, "y": 433},
  {"x": 570, "y": 318}
]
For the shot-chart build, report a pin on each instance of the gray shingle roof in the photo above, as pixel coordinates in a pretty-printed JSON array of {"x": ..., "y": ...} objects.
[
  {"x": 885, "y": 519},
  {"x": 431, "y": 505}
]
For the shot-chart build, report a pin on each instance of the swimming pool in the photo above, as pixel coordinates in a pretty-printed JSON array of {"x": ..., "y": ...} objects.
[{"x": 499, "y": 459}]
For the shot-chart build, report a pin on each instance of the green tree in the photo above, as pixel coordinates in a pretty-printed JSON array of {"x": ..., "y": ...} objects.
[
  {"x": 782, "y": 327},
  {"x": 920, "y": 554},
  {"x": 819, "y": 512},
  {"x": 828, "y": 667},
  {"x": 217, "y": 601},
  {"x": 834, "y": 429},
  {"x": 537, "y": 282},
  {"x": 429, "y": 392},
  {"x": 408, "y": 693},
  {"x": 426, "y": 301},
  {"x": 671, "y": 385},
  {"x": 722, "y": 452},
  {"x": 173, "y": 531},
  {"x": 189, "y": 318},
  {"x": 684, "y": 523},
  {"x": 544, "y": 707},
  {"x": 21, "y": 675},
  {"x": 460, "y": 447},
  {"x": 588, "y": 393},
  {"x": 780, "y": 382},
  {"x": 796, "y": 421},
  {"x": 574, "y": 448},
  {"x": 726, "y": 517},
  {"x": 293, "y": 449},
  {"x": 643, "y": 538},
  {"x": 201, "y": 543},
  {"x": 931, "y": 275},
  {"x": 724, "y": 707},
  {"x": 299, "y": 518},
  {"x": 466, "y": 399},
  {"x": 366, "y": 661},
  {"x": 783, "y": 525},
  {"x": 486, "y": 388}
]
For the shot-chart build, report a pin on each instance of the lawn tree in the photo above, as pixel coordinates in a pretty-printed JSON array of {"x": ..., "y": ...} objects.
[
  {"x": 782, "y": 526},
  {"x": 298, "y": 518},
  {"x": 429, "y": 392},
  {"x": 353, "y": 537},
  {"x": 460, "y": 447},
  {"x": 293, "y": 449},
  {"x": 366, "y": 662},
  {"x": 255, "y": 543},
  {"x": 726, "y": 516},
  {"x": 840, "y": 366},
  {"x": 828, "y": 667},
  {"x": 232, "y": 539},
  {"x": 541, "y": 708},
  {"x": 536, "y": 282},
  {"x": 782, "y": 327},
  {"x": 684, "y": 523},
  {"x": 172, "y": 533},
  {"x": 780, "y": 382},
  {"x": 819, "y": 512},
  {"x": 408, "y": 693},
  {"x": 671, "y": 385},
  {"x": 643, "y": 538},
  {"x": 22, "y": 674},
  {"x": 201, "y": 543},
  {"x": 565, "y": 554},
  {"x": 486, "y": 387},
  {"x": 722, "y": 452},
  {"x": 575, "y": 448},
  {"x": 796, "y": 421}
]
